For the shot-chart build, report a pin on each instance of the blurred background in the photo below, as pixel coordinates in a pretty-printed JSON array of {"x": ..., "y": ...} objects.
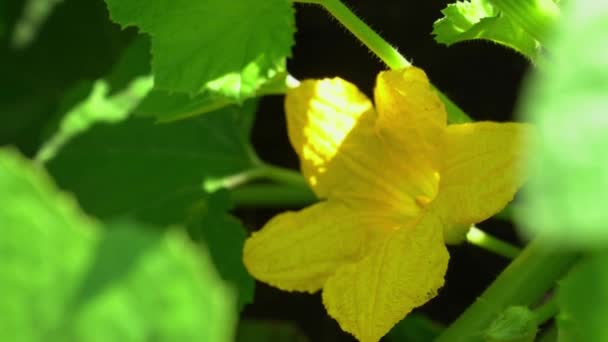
[{"x": 77, "y": 42}]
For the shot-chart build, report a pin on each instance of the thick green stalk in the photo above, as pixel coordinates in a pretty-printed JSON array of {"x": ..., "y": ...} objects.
[
  {"x": 479, "y": 238},
  {"x": 523, "y": 282},
  {"x": 386, "y": 52},
  {"x": 281, "y": 175},
  {"x": 272, "y": 195}
]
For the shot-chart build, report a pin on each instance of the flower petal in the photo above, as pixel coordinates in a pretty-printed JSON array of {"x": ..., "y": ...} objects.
[
  {"x": 332, "y": 127},
  {"x": 321, "y": 116},
  {"x": 404, "y": 271},
  {"x": 481, "y": 173},
  {"x": 410, "y": 115},
  {"x": 298, "y": 251}
]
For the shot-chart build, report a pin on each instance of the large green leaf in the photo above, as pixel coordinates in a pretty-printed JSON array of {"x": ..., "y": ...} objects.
[
  {"x": 64, "y": 279},
  {"x": 170, "y": 106},
  {"x": 479, "y": 19},
  {"x": 225, "y": 236},
  {"x": 226, "y": 47},
  {"x": 566, "y": 98},
  {"x": 151, "y": 171},
  {"x": 583, "y": 301}
]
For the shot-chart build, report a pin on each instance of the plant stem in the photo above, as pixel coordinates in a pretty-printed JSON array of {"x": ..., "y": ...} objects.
[
  {"x": 546, "y": 311},
  {"x": 479, "y": 238},
  {"x": 523, "y": 282},
  {"x": 272, "y": 195},
  {"x": 281, "y": 175},
  {"x": 386, "y": 52}
]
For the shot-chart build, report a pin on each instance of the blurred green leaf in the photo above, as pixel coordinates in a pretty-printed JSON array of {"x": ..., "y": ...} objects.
[
  {"x": 230, "y": 48},
  {"x": 566, "y": 99},
  {"x": 33, "y": 17},
  {"x": 150, "y": 171},
  {"x": 78, "y": 43},
  {"x": 225, "y": 236},
  {"x": 64, "y": 280},
  {"x": 268, "y": 331},
  {"x": 415, "y": 328},
  {"x": 583, "y": 301},
  {"x": 143, "y": 284},
  {"x": 479, "y": 19}
]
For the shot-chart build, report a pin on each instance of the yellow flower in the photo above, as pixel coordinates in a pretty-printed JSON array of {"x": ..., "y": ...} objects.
[{"x": 396, "y": 184}]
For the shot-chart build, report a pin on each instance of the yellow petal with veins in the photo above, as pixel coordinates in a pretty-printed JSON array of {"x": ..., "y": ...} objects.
[
  {"x": 482, "y": 171},
  {"x": 298, "y": 251},
  {"x": 324, "y": 117},
  {"x": 404, "y": 271},
  {"x": 346, "y": 153}
]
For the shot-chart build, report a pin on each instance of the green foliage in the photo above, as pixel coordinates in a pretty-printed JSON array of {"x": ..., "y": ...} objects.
[
  {"x": 583, "y": 301},
  {"x": 479, "y": 19},
  {"x": 77, "y": 43},
  {"x": 134, "y": 168},
  {"x": 150, "y": 171},
  {"x": 35, "y": 13},
  {"x": 64, "y": 279},
  {"x": 169, "y": 106},
  {"x": 566, "y": 99},
  {"x": 186, "y": 31},
  {"x": 97, "y": 107},
  {"x": 225, "y": 236}
]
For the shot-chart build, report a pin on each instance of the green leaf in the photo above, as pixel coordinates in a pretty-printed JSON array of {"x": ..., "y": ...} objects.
[
  {"x": 583, "y": 301},
  {"x": 97, "y": 107},
  {"x": 478, "y": 19},
  {"x": 170, "y": 106},
  {"x": 269, "y": 331},
  {"x": 225, "y": 236},
  {"x": 33, "y": 17},
  {"x": 415, "y": 328},
  {"x": 78, "y": 43},
  {"x": 88, "y": 103},
  {"x": 566, "y": 99},
  {"x": 150, "y": 171},
  {"x": 144, "y": 283},
  {"x": 226, "y": 47},
  {"x": 64, "y": 280}
]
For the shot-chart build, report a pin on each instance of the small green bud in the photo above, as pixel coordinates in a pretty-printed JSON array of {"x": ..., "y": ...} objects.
[{"x": 515, "y": 324}]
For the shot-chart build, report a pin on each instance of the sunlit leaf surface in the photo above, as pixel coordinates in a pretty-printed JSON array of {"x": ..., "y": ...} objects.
[
  {"x": 254, "y": 38},
  {"x": 478, "y": 19}
]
